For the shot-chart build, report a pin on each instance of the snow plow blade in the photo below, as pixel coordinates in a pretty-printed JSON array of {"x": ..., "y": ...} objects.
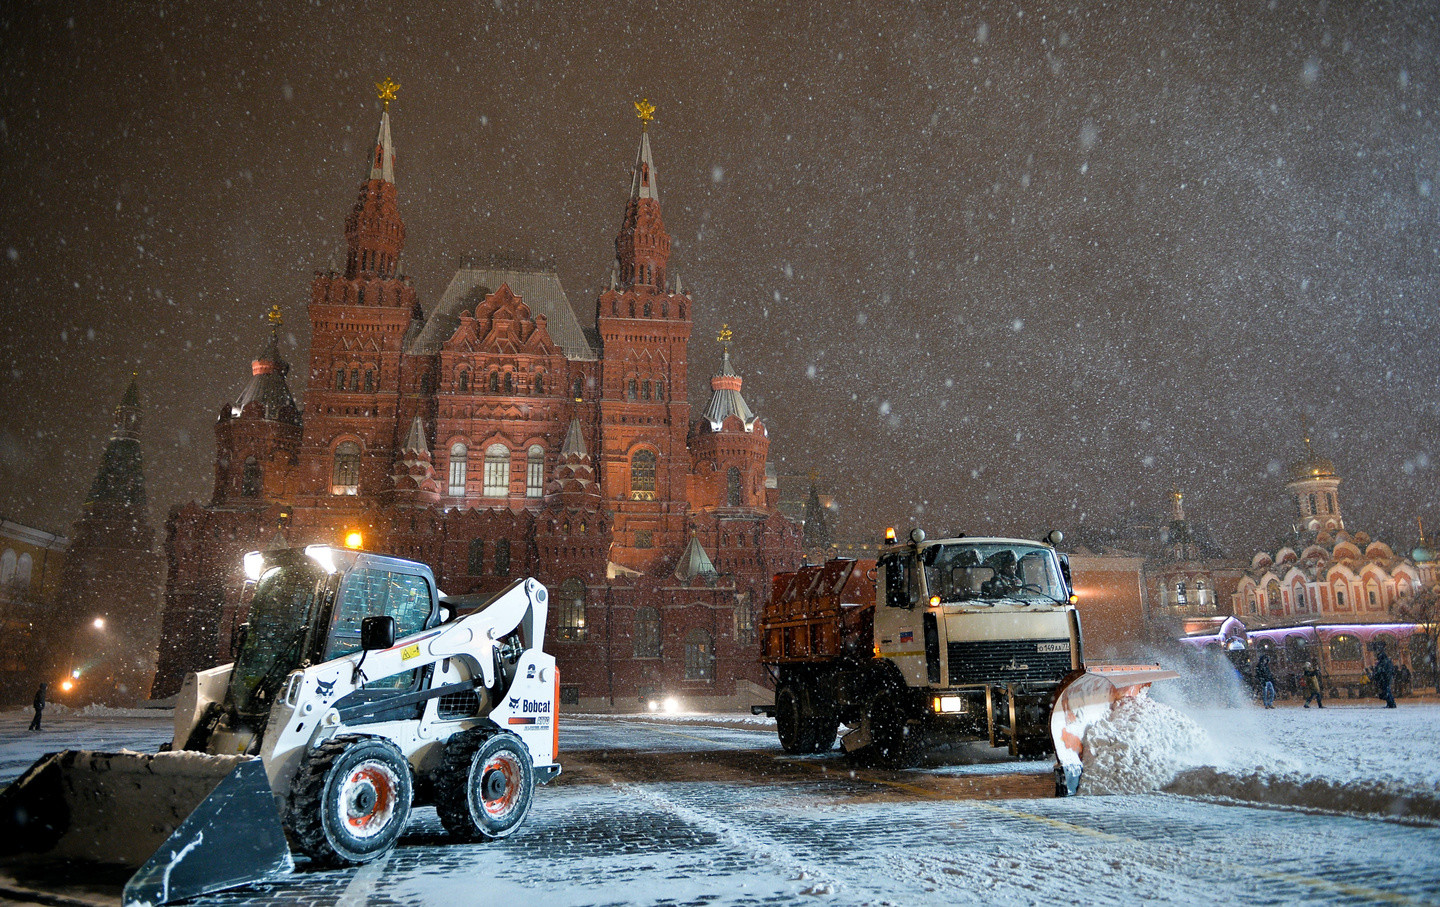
[
  {"x": 1084, "y": 698},
  {"x": 188, "y": 823}
]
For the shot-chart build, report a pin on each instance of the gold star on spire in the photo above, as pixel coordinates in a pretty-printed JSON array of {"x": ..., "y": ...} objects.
[
  {"x": 725, "y": 336},
  {"x": 274, "y": 316},
  {"x": 387, "y": 90},
  {"x": 645, "y": 111}
]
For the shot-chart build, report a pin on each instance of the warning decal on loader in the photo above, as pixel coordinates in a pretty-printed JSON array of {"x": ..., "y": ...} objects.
[{"x": 410, "y": 652}]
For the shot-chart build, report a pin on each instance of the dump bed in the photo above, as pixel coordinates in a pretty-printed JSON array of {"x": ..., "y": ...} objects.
[{"x": 819, "y": 613}]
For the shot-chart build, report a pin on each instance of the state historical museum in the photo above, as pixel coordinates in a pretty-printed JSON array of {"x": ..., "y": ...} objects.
[{"x": 497, "y": 437}]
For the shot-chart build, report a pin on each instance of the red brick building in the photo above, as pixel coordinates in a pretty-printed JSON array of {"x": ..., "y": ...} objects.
[{"x": 495, "y": 436}]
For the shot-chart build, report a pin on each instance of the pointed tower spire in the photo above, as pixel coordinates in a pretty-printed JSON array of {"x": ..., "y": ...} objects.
[
  {"x": 415, "y": 441},
  {"x": 269, "y": 385},
  {"x": 643, "y": 246},
  {"x": 574, "y": 445},
  {"x": 374, "y": 231},
  {"x": 120, "y": 480},
  {"x": 694, "y": 561}
]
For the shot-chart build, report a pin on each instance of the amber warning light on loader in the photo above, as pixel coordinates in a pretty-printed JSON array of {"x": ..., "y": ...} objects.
[{"x": 353, "y": 539}]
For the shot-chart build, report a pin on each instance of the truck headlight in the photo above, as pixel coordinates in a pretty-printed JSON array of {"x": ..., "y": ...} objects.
[{"x": 948, "y": 704}]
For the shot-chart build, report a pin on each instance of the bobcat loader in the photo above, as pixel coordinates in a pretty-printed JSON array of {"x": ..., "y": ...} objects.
[{"x": 356, "y": 692}]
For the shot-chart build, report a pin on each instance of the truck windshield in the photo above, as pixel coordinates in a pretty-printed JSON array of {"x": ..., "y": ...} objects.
[
  {"x": 991, "y": 571},
  {"x": 280, "y": 613}
]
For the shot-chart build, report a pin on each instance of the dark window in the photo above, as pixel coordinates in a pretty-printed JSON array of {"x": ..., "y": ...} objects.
[
  {"x": 644, "y": 538},
  {"x": 732, "y": 486},
  {"x": 539, "y": 382},
  {"x": 569, "y": 694},
  {"x": 579, "y": 387},
  {"x": 571, "y": 619},
  {"x": 250, "y": 480},
  {"x": 475, "y": 565},
  {"x": 464, "y": 382},
  {"x": 660, "y": 390},
  {"x": 633, "y": 389},
  {"x": 1312, "y": 504},
  {"x": 494, "y": 382},
  {"x": 339, "y": 379},
  {"x": 1329, "y": 502},
  {"x": 354, "y": 379},
  {"x": 645, "y": 390},
  {"x": 646, "y": 636},
  {"x": 509, "y": 383},
  {"x": 699, "y": 656},
  {"x": 502, "y": 557}
]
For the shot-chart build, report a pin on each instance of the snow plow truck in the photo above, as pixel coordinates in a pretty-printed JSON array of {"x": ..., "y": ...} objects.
[
  {"x": 948, "y": 639},
  {"x": 357, "y": 691}
]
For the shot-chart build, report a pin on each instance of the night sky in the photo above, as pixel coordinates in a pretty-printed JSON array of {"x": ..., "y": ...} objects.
[{"x": 991, "y": 267}]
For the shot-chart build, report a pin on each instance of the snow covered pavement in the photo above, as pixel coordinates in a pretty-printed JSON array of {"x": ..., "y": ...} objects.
[{"x": 745, "y": 825}]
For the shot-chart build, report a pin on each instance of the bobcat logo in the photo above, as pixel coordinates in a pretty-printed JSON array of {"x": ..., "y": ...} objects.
[
  {"x": 324, "y": 688},
  {"x": 514, "y": 702}
]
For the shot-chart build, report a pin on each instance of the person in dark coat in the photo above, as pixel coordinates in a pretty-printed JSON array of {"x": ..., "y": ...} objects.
[
  {"x": 1402, "y": 680},
  {"x": 39, "y": 706},
  {"x": 1266, "y": 679},
  {"x": 1312, "y": 686},
  {"x": 1383, "y": 674}
]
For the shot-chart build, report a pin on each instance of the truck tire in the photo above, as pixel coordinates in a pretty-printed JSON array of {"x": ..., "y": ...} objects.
[
  {"x": 793, "y": 722},
  {"x": 891, "y": 744},
  {"x": 823, "y": 720},
  {"x": 485, "y": 785},
  {"x": 350, "y": 800}
]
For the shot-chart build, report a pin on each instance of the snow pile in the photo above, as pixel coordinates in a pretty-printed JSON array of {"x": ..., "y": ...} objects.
[{"x": 1140, "y": 746}]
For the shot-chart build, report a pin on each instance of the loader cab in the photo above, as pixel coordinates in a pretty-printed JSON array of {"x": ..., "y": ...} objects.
[{"x": 306, "y": 606}]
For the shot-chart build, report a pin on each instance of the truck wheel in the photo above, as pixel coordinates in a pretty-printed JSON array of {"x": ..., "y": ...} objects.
[
  {"x": 823, "y": 723},
  {"x": 891, "y": 744},
  {"x": 350, "y": 800},
  {"x": 485, "y": 785},
  {"x": 793, "y": 721}
]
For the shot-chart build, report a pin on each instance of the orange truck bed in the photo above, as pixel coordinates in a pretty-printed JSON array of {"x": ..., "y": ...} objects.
[{"x": 819, "y": 613}]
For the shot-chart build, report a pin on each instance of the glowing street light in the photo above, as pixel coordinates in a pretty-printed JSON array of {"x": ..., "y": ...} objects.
[{"x": 98, "y": 623}]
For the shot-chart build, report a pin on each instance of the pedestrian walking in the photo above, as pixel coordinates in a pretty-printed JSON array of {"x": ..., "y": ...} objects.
[
  {"x": 1266, "y": 679},
  {"x": 1402, "y": 680},
  {"x": 1383, "y": 674},
  {"x": 1312, "y": 686},
  {"x": 39, "y": 706}
]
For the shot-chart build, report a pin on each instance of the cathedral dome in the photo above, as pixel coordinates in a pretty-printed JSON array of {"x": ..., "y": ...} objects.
[{"x": 1311, "y": 467}]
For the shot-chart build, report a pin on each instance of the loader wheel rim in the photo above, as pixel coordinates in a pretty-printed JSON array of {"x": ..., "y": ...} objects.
[
  {"x": 369, "y": 796},
  {"x": 500, "y": 784}
]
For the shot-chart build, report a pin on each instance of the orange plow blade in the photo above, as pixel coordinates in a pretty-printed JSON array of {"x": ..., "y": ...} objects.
[{"x": 1085, "y": 698}]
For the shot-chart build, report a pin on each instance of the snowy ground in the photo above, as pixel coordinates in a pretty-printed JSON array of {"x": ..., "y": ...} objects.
[{"x": 698, "y": 823}]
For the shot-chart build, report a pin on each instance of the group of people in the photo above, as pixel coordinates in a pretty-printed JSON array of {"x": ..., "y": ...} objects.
[{"x": 1384, "y": 675}]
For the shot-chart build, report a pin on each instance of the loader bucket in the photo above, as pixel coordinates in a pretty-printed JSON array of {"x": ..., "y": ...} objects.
[
  {"x": 1084, "y": 698},
  {"x": 188, "y": 823}
]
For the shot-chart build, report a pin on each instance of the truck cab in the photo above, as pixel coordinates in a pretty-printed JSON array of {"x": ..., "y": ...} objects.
[{"x": 956, "y": 612}]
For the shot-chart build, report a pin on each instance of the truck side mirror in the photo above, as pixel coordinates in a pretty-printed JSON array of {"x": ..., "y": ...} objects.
[{"x": 377, "y": 632}]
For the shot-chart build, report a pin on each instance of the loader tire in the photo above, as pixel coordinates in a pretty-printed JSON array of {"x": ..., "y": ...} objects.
[
  {"x": 892, "y": 743},
  {"x": 485, "y": 785},
  {"x": 793, "y": 721},
  {"x": 350, "y": 800}
]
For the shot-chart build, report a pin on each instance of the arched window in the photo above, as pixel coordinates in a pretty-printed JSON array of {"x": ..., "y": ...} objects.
[
  {"x": 369, "y": 381},
  {"x": 699, "y": 656},
  {"x": 7, "y": 567},
  {"x": 1372, "y": 592},
  {"x": 1339, "y": 596},
  {"x": 648, "y": 309},
  {"x": 570, "y": 622},
  {"x": 1299, "y": 597},
  {"x": 579, "y": 388},
  {"x": 502, "y": 557},
  {"x": 475, "y": 564},
  {"x": 23, "y": 565},
  {"x": 732, "y": 486},
  {"x": 497, "y": 471},
  {"x": 509, "y": 383},
  {"x": 464, "y": 382},
  {"x": 633, "y": 389},
  {"x": 646, "y": 635},
  {"x": 660, "y": 391},
  {"x": 535, "y": 471},
  {"x": 250, "y": 479},
  {"x": 1329, "y": 502},
  {"x": 494, "y": 382},
  {"x": 1272, "y": 594},
  {"x": 539, "y": 382},
  {"x": 459, "y": 457},
  {"x": 339, "y": 379},
  {"x": 354, "y": 379},
  {"x": 1312, "y": 504},
  {"x": 642, "y": 476},
  {"x": 1344, "y": 647},
  {"x": 346, "y": 477}
]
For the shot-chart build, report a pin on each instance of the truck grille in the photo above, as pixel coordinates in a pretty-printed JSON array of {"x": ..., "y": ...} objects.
[{"x": 999, "y": 661}]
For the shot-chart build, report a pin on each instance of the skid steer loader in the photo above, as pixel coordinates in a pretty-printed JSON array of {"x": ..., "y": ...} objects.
[{"x": 356, "y": 692}]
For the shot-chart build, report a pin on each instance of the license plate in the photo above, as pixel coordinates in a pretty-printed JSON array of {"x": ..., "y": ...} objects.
[{"x": 1052, "y": 647}]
